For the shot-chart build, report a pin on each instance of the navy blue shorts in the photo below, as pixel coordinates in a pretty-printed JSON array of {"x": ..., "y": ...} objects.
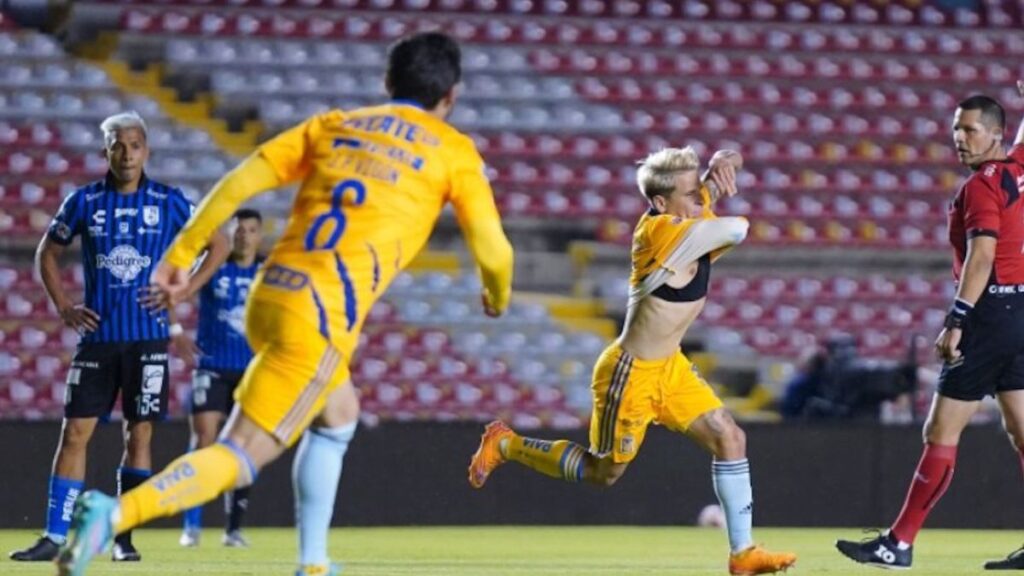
[
  {"x": 214, "y": 390},
  {"x": 138, "y": 370},
  {"x": 992, "y": 351}
]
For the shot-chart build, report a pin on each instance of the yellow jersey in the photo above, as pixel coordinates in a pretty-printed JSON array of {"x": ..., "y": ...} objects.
[
  {"x": 372, "y": 184},
  {"x": 664, "y": 242},
  {"x": 654, "y": 239}
]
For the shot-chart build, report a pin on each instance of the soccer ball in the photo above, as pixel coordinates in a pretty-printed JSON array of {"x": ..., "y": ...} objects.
[{"x": 711, "y": 516}]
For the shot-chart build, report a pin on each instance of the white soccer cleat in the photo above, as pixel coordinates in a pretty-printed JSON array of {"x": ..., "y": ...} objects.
[
  {"x": 189, "y": 538},
  {"x": 234, "y": 539}
]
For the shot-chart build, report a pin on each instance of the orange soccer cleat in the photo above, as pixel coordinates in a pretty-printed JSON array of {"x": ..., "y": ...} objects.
[
  {"x": 757, "y": 560},
  {"x": 488, "y": 455}
]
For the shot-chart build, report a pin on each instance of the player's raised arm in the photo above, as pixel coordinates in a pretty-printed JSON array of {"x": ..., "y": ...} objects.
[
  {"x": 721, "y": 174},
  {"x": 480, "y": 222},
  {"x": 216, "y": 255},
  {"x": 281, "y": 160},
  {"x": 1020, "y": 131},
  {"x": 711, "y": 236},
  {"x": 253, "y": 176}
]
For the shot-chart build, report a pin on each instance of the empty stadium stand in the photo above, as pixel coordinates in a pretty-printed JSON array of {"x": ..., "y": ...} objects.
[{"x": 841, "y": 110}]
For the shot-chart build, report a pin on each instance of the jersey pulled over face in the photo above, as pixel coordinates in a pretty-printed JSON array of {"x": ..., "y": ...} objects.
[
  {"x": 989, "y": 204},
  {"x": 373, "y": 183},
  {"x": 655, "y": 240}
]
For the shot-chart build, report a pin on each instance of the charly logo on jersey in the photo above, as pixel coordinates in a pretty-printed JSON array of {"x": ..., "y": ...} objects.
[
  {"x": 234, "y": 318},
  {"x": 98, "y": 228},
  {"x": 124, "y": 262}
]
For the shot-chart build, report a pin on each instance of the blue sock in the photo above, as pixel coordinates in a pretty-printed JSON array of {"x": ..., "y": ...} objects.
[
  {"x": 315, "y": 475},
  {"x": 60, "y": 505},
  {"x": 193, "y": 519},
  {"x": 732, "y": 486}
]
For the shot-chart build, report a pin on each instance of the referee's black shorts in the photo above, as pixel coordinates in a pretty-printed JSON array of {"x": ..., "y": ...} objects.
[{"x": 991, "y": 350}]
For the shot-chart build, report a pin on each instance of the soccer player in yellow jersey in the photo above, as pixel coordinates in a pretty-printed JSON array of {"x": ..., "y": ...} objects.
[
  {"x": 373, "y": 182},
  {"x": 642, "y": 377}
]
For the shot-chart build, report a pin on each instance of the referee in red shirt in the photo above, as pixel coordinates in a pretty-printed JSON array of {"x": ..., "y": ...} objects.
[{"x": 982, "y": 343}]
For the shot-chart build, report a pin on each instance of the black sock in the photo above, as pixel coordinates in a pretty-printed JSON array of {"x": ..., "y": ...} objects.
[
  {"x": 127, "y": 479},
  {"x": 235, "y": 505}
]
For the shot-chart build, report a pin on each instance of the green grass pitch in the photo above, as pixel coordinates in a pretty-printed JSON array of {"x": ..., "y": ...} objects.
[{"x": 523, "y": 551}]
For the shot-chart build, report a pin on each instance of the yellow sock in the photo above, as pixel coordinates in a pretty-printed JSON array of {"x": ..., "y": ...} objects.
[
  {"x": 193, "y": 479},
  {"x": 559, "y": 459}
]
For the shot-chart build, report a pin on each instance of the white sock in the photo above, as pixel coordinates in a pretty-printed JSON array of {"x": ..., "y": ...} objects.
[
  {"x": 315, "y": 475},
  {"x": 732, "y": 486}
]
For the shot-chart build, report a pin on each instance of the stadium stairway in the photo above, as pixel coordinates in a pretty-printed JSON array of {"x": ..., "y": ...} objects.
[
  {"x": 197, "y": 113},
  {"x": 149, "y": 80}
]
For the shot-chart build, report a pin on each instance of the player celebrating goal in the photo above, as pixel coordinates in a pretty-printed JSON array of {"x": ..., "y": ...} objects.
[
  {"x": 373, "y": 183},
  {"x": 643, "y": 377},
  {"x": 982, "y": 343}
]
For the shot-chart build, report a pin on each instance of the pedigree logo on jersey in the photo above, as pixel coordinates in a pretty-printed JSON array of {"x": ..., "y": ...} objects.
[{"x": 124, "y": 262}]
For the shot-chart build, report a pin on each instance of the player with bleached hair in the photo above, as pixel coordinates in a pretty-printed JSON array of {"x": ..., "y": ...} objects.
[
  {"x": 124, "y": 223},
  {"x": 643, "y": 377}
]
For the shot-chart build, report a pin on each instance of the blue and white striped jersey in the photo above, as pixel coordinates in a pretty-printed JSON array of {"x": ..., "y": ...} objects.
[
  {"x": 123, "y": 237},
  {"x": 222, "y": 318}
]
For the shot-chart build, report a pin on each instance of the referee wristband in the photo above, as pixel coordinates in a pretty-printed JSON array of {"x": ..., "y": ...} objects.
[
  {"x": 958, "y": 313},
  {"x": 175, "y": 330}
]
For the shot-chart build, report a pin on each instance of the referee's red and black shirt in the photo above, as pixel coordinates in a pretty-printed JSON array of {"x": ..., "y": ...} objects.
[{"x": 989, "y": 204}]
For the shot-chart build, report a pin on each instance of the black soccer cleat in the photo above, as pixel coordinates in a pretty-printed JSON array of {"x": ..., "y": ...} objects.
[
  {"x": 881, "y": 551},
  {"x": 1015, "y": 561},
  {"x": 44, "y": 550},
  {"x": 125, "y": 552}
]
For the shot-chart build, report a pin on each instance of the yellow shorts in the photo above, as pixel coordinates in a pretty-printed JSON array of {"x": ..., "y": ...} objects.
[
  {"x": 293, "y": 371},
  {"x": 629, "y": 394}
]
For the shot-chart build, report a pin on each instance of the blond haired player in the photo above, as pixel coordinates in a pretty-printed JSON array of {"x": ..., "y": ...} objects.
[
  {"x": 642, "y": 377},
  {"x": 373, "y": 182}
]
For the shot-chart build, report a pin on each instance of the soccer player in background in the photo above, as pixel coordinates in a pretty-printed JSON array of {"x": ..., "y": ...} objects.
[
  {"x": 982, "y": 342},
  {"x": 224, "y": 356},
  {"x": 125, "y": 222},
  {"x": 373, "y": 182},
  {"x": 643, "y": 377}
]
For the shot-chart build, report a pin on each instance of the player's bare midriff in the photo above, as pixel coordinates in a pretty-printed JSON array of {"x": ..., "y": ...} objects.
[{"x": 655, "y": 328}]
